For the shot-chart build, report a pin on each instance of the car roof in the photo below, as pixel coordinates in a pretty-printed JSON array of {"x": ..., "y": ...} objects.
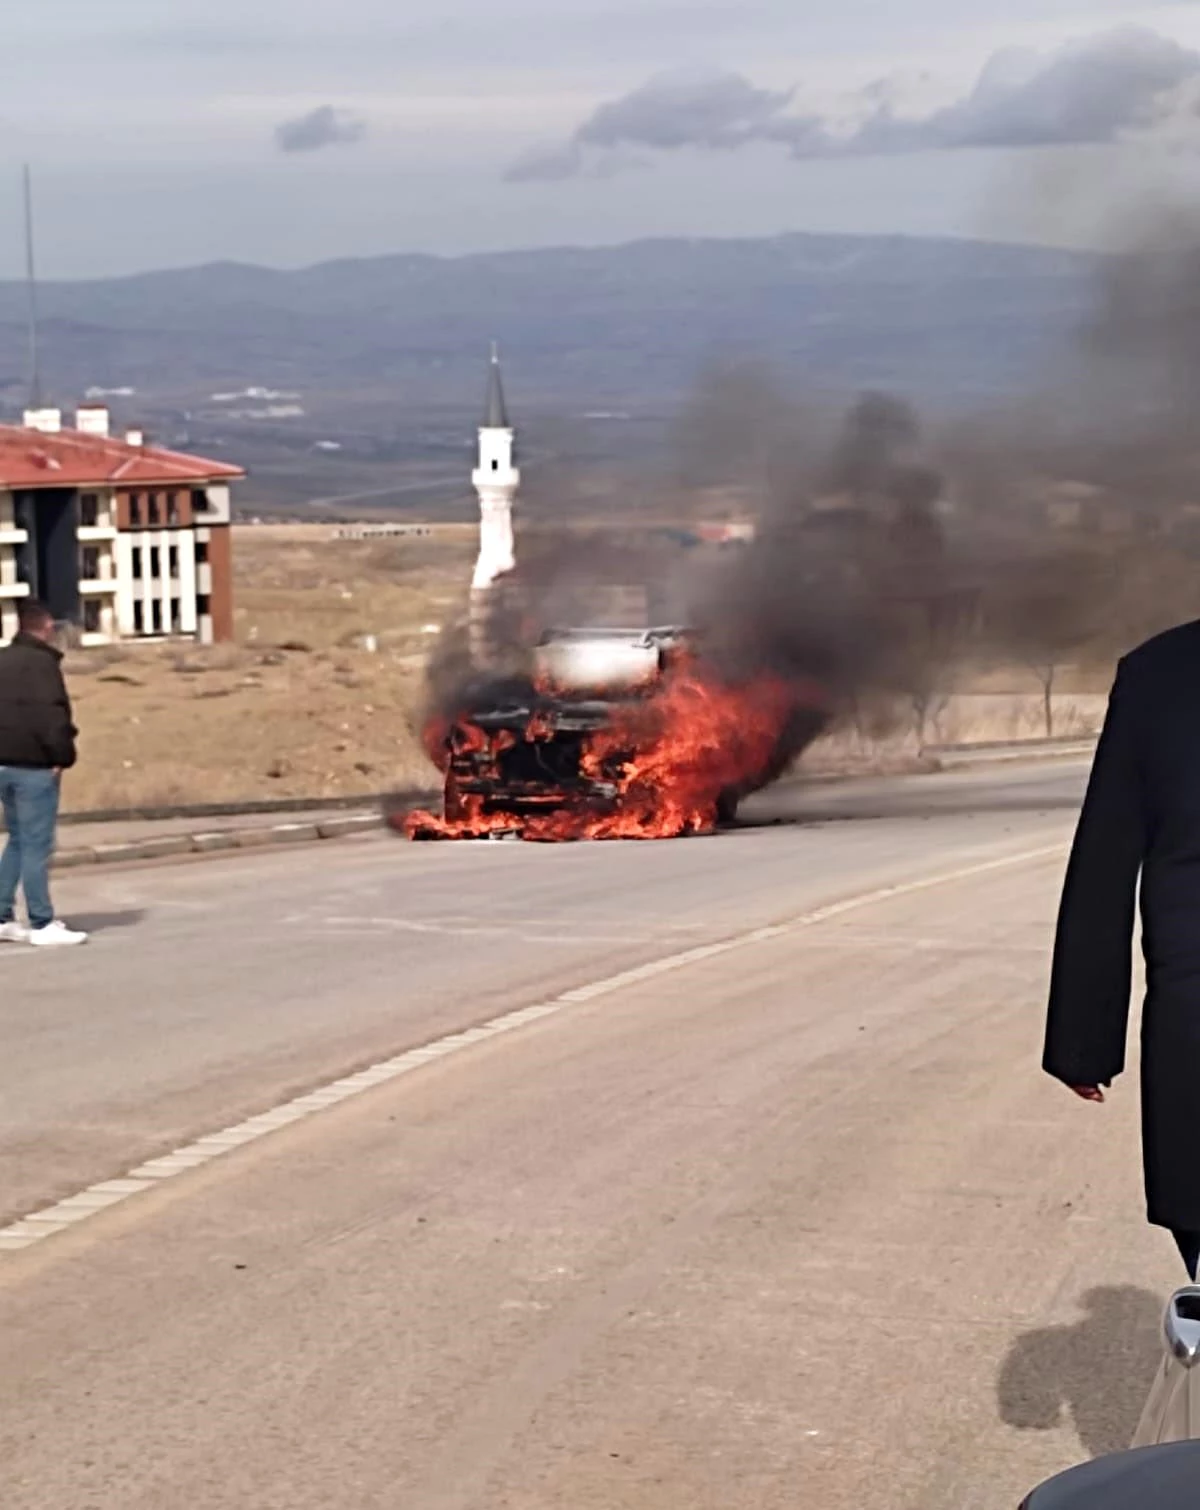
[{"x": 607, "y": 632}]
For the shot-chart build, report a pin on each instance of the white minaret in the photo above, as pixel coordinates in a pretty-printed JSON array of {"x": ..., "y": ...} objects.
[{"x": 496, "y": 481}]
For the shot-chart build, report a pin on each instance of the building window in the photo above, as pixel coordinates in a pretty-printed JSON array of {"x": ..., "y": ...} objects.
[
  {"x": 201, "y": 552},
  {"x": 155, "y": 513},
  {"x": 89, "y": 510},
  {"x": 89, "y": 563},
  {"x": 155, "y": 562},
  {"x": 203, "y": 606},
  {"x": 172, "y": 561},
  {"x": 173, "y": 508},
  {"x": 91, "y": 616},
  {"x": 137, "y": 510},
  {"x": 138, "y": 565},
  {"x": 200, "y": 500}
]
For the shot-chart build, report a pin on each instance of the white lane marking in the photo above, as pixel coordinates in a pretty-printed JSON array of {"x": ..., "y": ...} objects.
[
  {"x": 39, "y": 1225},
  {"x": 593, "y": 929},
  {"x": 513, "y": 932}
]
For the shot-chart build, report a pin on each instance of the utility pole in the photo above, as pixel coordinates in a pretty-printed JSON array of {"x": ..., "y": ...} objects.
[{"x": 35, "y": 368}]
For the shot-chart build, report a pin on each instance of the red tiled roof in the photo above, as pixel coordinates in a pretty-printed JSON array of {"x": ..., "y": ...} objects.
[{"x": 70, "y": 459}]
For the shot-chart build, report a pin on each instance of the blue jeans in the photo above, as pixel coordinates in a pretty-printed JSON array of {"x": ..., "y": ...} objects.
[{"x": 30, "y": 803}]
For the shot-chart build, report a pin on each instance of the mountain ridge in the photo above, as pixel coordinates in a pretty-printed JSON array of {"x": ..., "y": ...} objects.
[
  {"x": 566, "y": 249},
  {"x": 947, "y": 318}
]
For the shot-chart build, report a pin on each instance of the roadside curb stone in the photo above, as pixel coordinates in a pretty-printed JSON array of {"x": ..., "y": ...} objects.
[
  {"x": 278, "y": 833},
  {"x": 217, "y": 841},
  {"x": 340, "y": 828},
  {"x": 73, "y": 859}
]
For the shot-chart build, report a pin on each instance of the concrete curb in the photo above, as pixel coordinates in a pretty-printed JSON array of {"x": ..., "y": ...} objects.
[
  {"x": 1040, "y": 742},
  {"x": 220, "y": 841},
  {"x": 959, "y": 757},
  {"x": 279, "y": 808}
]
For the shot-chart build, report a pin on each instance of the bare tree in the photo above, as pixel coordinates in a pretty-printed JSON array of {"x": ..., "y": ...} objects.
[{"x": 1046, "y": 610}]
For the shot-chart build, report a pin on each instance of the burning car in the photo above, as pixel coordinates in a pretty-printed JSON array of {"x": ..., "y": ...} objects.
[{"x": 618, "y": 733}]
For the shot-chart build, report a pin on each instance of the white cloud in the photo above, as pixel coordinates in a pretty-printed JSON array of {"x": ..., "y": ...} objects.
[
  {"x": 323, "y": 127},
  {"x": 1094, "y": 90}
]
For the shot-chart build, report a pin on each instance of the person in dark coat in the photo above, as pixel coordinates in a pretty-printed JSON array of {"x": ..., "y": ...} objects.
[
  {"x": 1141, "y": 816},
  {"x": 37, "y": 744}
]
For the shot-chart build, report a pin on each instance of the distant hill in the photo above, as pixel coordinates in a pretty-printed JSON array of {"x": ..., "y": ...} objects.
[{"x": 949, "y": 320}]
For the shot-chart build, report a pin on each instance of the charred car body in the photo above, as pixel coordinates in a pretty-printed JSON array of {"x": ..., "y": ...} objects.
[
  {"x": 523, "y": 750},
  {"x": 620, "y": 733}
]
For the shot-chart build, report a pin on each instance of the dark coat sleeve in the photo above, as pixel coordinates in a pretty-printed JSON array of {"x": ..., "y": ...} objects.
[
  {"x": 1090, "y": 984},
  {"x": 56, "y": 726}
]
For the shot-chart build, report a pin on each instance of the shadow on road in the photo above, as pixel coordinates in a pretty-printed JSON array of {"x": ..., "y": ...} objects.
[
  {"x": 106, "y": 922},
  {"x": 1095, "y": 1374}
]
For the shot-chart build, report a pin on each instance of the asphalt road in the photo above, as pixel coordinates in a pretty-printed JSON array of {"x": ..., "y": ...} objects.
[{"x": 796, "y": 1223}]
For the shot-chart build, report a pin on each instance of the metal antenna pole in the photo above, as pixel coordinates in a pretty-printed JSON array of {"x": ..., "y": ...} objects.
[{"x": 35, "y": 369}]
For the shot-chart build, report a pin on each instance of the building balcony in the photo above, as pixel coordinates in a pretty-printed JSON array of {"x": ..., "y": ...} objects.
[
  {"x": 10, "y": 535},
  {"x": 154, "y": 589},
  {"x": 97, "y": 586},
  {"x": 14, "y": 589},
  {"x": 96, "y": 534}
]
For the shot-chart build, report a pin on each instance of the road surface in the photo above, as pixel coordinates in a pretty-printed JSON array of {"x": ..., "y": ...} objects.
[{"x": 770, "y": 1208}]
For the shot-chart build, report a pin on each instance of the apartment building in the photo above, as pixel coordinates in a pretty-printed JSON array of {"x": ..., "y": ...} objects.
[{"x": 121, "y": 539}]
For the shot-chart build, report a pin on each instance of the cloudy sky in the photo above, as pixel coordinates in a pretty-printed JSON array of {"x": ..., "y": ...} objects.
[{"x": 289, "y": 131}]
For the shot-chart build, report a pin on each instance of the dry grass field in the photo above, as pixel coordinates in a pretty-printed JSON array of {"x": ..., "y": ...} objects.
[
  {"x": 300, "y": 706},
  {"x": 968, "y": 717}
]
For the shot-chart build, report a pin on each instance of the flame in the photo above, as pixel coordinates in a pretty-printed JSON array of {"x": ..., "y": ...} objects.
[{"x": 671, "y": 755}]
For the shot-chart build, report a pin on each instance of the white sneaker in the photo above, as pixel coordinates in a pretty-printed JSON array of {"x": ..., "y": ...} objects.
[
  {"x": 13, "y": 933},
  {"x": 55, "y": 935}
]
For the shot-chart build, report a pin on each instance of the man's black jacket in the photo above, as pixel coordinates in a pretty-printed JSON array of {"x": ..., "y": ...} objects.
[
  {"x": 1142, "y": 814},
  {"x": 36, "y": 730}
]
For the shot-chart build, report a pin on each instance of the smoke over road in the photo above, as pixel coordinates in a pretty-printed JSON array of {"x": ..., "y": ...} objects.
[{"x": 1148, "y": 321}]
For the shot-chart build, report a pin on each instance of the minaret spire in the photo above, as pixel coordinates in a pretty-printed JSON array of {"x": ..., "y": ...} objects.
[
  {"x": 496, "y": 416},
  {"x": 496, "y": 480}
]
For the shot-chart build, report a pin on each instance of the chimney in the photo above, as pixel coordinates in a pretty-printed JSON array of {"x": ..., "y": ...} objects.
[
  {"x": 92, "y": 419},
  {"x": 135, "y": 438},
  {"x": 48, "y": 421}
]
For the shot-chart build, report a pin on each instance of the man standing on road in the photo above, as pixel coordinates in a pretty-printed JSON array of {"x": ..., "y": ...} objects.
[
  {"x": 1141, "y": 815},
  {"x": 37, "y": 743}
]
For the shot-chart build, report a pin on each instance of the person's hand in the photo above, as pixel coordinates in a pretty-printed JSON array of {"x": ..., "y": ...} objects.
[{"x": 1089, "y": 1093}]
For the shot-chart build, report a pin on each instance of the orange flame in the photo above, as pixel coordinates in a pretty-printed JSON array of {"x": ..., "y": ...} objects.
[{"x": 696, "y": 737}]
